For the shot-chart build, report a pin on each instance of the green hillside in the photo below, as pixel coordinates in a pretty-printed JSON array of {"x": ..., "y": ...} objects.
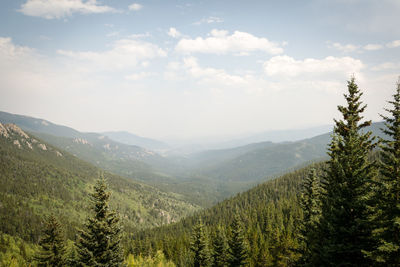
[
  {"x": 203, "y": 178},
  {"x": 93, "y": 147},
  {"x": 269, "y": 211},
  {"x": 259, "y": 161},
  {"x": 37, "y": 179}
]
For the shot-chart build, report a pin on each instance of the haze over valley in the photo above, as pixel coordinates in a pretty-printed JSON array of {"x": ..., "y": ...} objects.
[{"x": 199, "y": 133}]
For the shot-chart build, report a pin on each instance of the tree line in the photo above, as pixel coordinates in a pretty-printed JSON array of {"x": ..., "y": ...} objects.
[{"x": 352, "y": 213}]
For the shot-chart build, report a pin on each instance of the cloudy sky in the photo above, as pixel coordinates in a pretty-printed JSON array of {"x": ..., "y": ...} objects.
[{"x": 191, "y": 69}]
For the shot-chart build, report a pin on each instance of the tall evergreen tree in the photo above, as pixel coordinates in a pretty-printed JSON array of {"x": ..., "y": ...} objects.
[
  {"x": 220, "y": 248},
  {"x": 199, "y": 246},
  {"x": 388, "y": 215},
  {"x": 311, "y": 206},
  {"x": 99, "y": 244},
  {"x": 345, "y": 230},
  {"x": 52, "y": 246},
  {"x": 238, "y": 249}
]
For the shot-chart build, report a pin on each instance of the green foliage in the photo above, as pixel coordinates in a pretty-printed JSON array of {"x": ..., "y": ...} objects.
[
  {"x": 52, "y": 247},
  {"x": 158, "y": 260},
  {"x": 16, "y": 252},
  {"x": 345, "y": 229},
  {"x": 99, "y": 244},
  {"x": 219, "y": 248},
  {"x": 269, "y": 212},
  {"x": 199, "y": 246},
  {"x": 387, "y": 215},
  {"x": 311, "y": 206},
  {"x": 238, "y": 248}
]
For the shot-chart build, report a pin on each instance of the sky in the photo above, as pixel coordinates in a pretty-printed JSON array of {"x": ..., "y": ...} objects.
[{"x": 194, "y": 69}]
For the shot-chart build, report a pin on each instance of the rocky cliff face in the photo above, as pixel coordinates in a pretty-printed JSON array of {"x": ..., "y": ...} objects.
[{"x": 20, "y": 139}]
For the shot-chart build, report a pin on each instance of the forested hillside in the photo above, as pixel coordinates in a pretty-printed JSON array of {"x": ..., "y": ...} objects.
[
  {"x": 37, "y": 179},
  {"x": 342, "y": 212},
  {"x": 255, "y": 162},
  {"x": 269, "y": 212}
]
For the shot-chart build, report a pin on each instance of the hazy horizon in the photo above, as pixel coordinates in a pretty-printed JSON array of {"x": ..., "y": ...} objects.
[{"x": 193, "y": 70}]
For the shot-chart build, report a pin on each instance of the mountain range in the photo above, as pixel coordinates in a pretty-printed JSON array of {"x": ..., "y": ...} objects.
[{"x": 203, "y": 178}]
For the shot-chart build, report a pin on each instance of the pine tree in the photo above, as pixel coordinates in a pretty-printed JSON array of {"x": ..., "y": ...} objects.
[
  {"x": 238, "y": 249},
  {"x": 220, "y": 248},
  {"x": 99, "y": 245},
  {"x": 52, "y": 246},
  {"x": 345, "y": 230},
  {"x": 311, "y": 206},
  {"x": 199, "y": 246},
  {"x": 388, "y": 215}
]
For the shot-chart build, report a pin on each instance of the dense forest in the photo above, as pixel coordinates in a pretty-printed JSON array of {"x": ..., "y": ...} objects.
[{"x": 341, "y": 212}]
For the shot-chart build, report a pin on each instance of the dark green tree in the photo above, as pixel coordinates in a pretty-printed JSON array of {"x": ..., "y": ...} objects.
[
  {"x": 238, "y": 248},
  {"x": 220, "y": 248},
  {"x": 52, "y": 246},
  {"x": 199, "y": 246},
  {"x": 99, "y": 243},
  {"x": 311, "y": 206},
  {"x": 345, "y": 230},
  {"x": 388, "y": 214}
]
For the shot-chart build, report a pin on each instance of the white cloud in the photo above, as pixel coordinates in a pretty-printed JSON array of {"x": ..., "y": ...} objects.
[
  {"x": 208, "y": 101},
  {"x": 139, "y": 35},
  {"x": 210, "y": 74},
  {"x": 286, "y": 66},
  {"x": 56, "y": 9},
  {"x": 209, "y": 20},
  {"x": 138, "y": 76},
  {"x": 220, "y": 42},
  {"x": 395, "y": 43},
  {"x": 9, "y": 50},
  {"x": 125, "y": 53},
  {"x": 135, "y": 7},
  {"x": 174, "y": 33},
  {"x": 386, "y": 66},
  {"x": 345, "y": 48},
  {"x": 373, "y": 47}
]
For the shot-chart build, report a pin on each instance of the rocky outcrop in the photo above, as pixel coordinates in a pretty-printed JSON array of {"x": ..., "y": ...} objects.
[
  {"x": 81, "y": 141},
  {"x": 15, "y": 129},
  {"x": 42, "y": 146},
  {"x": 3, "y": 131},
  {"x": 19, "y": 138},
  {"x": 16, "y": 142}
]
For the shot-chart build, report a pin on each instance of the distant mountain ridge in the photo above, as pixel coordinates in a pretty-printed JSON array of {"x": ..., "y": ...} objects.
[
  {"x": 31, "y": 124},
  {"x": 276, "y": 136},
  {"x": 132, "y": 139},
  {"x": 204, "y": 177},
  {"x": 93, "y": 147},
  {"x": 256, "y": 162},
  {"x": 127, "y": 160}
]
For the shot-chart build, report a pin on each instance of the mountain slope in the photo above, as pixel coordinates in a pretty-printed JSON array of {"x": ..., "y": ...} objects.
[
  {"x": 256, "y": 162},
  {"x": 127, "y": 160},
  {"x": 269, "y": 212},
  {"x": 76, "y": 142},
  {"x": 135, "y": 140},
  {"x": 37, "y": 179},
  {"x": 276, "y": 136}
]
